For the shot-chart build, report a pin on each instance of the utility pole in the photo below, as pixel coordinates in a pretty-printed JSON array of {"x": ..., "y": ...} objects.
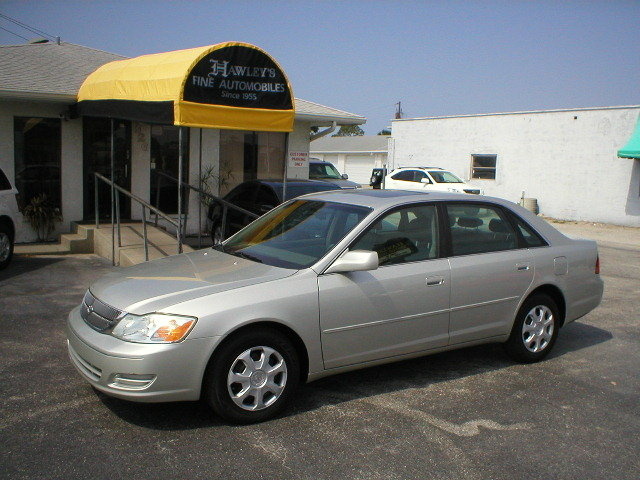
[{"x": 399, "y": 110}]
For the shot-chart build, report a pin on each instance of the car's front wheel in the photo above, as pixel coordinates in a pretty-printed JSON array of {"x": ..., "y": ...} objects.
[
  {"x": 252, "y": 376},
  {"x": 535, "y": 329},
  {"x": 6, "y": 245}
]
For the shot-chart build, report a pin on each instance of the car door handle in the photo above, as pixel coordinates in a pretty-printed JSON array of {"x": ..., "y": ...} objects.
[
  {"x": 523, "y": 266},
  {"x": 433, "y": 281}
]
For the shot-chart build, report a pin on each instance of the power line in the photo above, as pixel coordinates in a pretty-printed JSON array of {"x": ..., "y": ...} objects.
[
  {"x": 26, "y": 27},
  {"x": 14, "y": 33}
]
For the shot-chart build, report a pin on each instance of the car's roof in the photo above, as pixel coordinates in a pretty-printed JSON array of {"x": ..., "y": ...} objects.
[
  {"x": 384, "y": 198},
  {"x": 419, "y": 168}
]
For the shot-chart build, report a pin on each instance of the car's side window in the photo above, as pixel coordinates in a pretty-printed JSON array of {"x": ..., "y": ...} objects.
[
  {"x": 242, "y": 194},
  {"x": 405, "y": 175},
  {"x": 266, "y": 197},
  {"x": 408, "y": 234},
  {"x": 479, "y": 229},
  {"x": 418, "y": 176},
  {"x": 530, "y": 237}
]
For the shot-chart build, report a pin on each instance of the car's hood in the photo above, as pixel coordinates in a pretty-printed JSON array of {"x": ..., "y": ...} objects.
[
  {"x": 342, "y": 183},
  {"x": 155, "y": 285}
]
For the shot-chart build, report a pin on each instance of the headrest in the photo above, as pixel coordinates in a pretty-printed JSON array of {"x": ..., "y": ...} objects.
[
  {"x": 498, "y": 226},
  {"x": 469, "y": 222}
]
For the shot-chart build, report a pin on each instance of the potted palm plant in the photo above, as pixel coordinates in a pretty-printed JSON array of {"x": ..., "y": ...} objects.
[{"x": 42, "y": 216}]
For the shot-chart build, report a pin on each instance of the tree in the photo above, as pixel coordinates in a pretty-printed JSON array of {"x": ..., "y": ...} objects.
[
  {"x": 384, "y": 131},
  {"x": 349, "y": 131}
]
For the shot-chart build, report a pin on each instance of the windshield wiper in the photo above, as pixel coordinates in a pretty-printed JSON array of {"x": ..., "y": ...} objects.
[{"x": 247, "y": 256}]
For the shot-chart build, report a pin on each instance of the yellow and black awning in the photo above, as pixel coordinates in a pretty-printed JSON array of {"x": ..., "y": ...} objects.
[{"x": 229, "y": 85}]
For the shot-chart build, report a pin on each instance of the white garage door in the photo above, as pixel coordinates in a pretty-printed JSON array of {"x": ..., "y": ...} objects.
[{"x": 359, "y": 167}]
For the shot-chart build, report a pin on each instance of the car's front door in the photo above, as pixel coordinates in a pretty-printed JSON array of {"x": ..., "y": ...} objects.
[
  {"x": 400, "y": 308},
  {"x": 489, "y": 273}
]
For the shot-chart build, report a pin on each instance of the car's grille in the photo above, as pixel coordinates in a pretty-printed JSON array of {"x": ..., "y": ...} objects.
[
  {"x": 98, "y": 315},
  {"x": 472, "y": 191}
]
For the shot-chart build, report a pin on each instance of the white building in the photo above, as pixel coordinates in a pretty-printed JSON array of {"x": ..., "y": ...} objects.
[
  {"x": 356, "y": 156},
  {"x": 566, "y": 159},
  {"x": 45, "y": 148}
]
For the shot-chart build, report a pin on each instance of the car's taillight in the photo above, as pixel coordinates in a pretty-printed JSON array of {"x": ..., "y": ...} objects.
[{"x": 598, "y": 265}]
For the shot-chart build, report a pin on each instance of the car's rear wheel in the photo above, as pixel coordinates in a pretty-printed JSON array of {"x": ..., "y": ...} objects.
[
  {"x": 6, "y": 245},
  {"x": 535, "y": 329},
  {"x": 252, "y": 376}
]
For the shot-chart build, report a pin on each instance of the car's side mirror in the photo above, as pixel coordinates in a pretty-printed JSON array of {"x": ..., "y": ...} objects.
[
  {"x": 425, "y": 180},
  {"x": 345, "y": 176},
  {"x": 355, "y": 261}
]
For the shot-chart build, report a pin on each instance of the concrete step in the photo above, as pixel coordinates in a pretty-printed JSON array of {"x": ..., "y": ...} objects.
[
  {"x": 41, "y": 249},
  {"x": 88, "y": 239},
  {"x": 131, "y": 249},
  {"x": 79, "y": 242}
]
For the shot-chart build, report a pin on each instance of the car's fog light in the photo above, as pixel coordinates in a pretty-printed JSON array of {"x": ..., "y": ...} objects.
[{"x": 132, "y": 381}]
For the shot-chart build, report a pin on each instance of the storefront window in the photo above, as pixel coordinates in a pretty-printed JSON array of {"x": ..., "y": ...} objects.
[
  {"x": 37, "y": 159},
  {"x": 249, "y": 156},
  {"x": 164, "y": 164}
]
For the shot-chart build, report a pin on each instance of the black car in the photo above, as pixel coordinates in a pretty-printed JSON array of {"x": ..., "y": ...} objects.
[{"x": 257, "y": 197}]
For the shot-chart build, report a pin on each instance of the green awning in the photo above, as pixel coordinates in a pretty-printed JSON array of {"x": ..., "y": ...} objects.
[{"x": 632, "y": 148}]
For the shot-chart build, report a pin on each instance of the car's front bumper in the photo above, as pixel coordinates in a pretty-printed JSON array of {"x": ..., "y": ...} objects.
[{"x": 136, "y": 371}]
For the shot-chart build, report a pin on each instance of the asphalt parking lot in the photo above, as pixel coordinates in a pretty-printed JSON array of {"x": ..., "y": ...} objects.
[{"x": 469, "y": 414}]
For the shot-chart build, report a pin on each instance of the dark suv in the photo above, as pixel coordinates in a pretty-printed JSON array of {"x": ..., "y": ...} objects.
[
  {"x": 257, "y": 197},
  {"x": 322, "y": 170}
]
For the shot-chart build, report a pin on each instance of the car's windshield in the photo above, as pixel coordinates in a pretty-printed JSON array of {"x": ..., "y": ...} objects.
[
  {"x": 295, "y": 234},
  {"x": 441, "y": 176},
  {"x": 323, "y": 170}
]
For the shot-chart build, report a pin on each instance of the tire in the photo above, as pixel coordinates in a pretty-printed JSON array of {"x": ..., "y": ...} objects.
[
  {"x": 6, "y": 245},
  {"x": 242, "y": 390},
  {"x": 535, "y": 329}
]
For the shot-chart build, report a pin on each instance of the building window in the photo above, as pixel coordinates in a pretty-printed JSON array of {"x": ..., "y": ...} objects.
[
  {"x": 37, "y": 159},
  {"x": 483, "y": 166},
  {"x": 249, "y": 156},
  {"x": 164, "y": 163}
]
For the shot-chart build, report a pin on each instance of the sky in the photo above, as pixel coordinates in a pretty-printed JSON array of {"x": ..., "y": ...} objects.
[{"x": 437, "y": 58}]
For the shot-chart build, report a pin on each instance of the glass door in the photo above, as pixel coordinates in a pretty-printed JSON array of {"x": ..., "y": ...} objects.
[{"x": 97, "y": 158}]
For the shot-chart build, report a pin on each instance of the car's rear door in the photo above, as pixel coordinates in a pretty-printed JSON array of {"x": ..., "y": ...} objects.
[
  {"x": 400, "y": 308},
  {"x": 489, "y": 272}
]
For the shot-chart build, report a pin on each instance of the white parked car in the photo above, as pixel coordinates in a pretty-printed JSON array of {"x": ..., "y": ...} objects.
[
  {"x": 427, "y": 179},
  {"x": 8, "y": 219}
]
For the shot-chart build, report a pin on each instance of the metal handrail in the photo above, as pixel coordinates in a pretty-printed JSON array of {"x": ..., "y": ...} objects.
[
  {"x": 225, "y": 204},
  {"x": 145, "y": 206}
]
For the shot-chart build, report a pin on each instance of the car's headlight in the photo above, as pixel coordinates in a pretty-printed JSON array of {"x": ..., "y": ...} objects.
[{"x": 153, "y": 328}]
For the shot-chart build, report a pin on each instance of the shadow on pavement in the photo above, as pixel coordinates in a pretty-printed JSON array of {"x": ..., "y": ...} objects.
[
  {"x": 24, "y": 264},
  {"x": 416, "y": 373}
]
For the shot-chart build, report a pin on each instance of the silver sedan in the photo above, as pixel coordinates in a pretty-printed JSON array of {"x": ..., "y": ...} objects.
[{"x": 326, "y": 283}]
